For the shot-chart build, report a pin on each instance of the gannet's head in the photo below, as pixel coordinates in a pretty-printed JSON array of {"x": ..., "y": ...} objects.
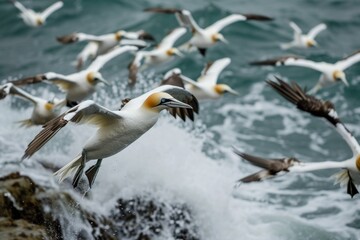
[
  {"x": 173, "y": 52},
  {"x": 311, "y": 43},
  {"x": 357, "y": 162},
  {"x": 95, "y": 77},
  {"x": 119, "y": 35},
  {"x": 161, "y": 100},
  {"x": 339, "y": 75},
  {"x": 216, "y": 37},
  {"x": 49, "y": 106},
  {"x": 39, "y": 21},
  {"x": 291, "y": 161},
  {"x": 223, "y": 88}
]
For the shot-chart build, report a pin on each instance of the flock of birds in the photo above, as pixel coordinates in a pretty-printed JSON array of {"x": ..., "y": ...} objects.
[{"x": 177, "y": 93}]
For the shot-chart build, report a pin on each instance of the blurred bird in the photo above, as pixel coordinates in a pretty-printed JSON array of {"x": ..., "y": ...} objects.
[
  {"x": 203, "y": 38},
  {"x": 36, "y": 19},
  {"x": 206, "y": 86},
  {"x": 44, "y": 110},
  {"x": 330, "y": 72},
  {"x": 80, "y": 85},
  {"x": 102, "y": 44},
  {"x": 162, "y": 53},
  {"x": 303, "y": 40},
  {"x": 116, "y": 129},
  {"x": 350, "y": 175}
]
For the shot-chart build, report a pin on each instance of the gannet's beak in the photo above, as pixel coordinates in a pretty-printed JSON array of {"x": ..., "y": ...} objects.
[
  {"x": 178, "y": 53},
  {"x": 101, "y": 79},
  {"x": 174, "y": 103},
  {"x": 345, "y": 81},
  {"x": 222, "y": 39},
  {"x": 232, "y": 91}
]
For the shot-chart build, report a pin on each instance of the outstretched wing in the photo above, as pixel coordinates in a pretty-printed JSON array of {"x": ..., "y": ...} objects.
[
  {"x": 219, "y": 25},
  {"x": 56, "y": 6},
  {"x": 290, "y": 61},
  {"x": 40, "y": 78},
  {"x": 212, "y": 70},
  {"x": 100, "y": 61},
  {"x": 141, "y": 34},
  {"x": 316, "y": 30},
  {"x": 296, "y": 28},
  {"x": 9, "y": 88},
  {"x": 86, "y": 112},
  {"x": 316, "y": 107},
  {"x": 349, "y": 60},
  {"x": 78, "y": 37},
  {"x": 134, "y": 67},
  {"x": 170, "y": 39},
  {"x": 173, "y": 77}
]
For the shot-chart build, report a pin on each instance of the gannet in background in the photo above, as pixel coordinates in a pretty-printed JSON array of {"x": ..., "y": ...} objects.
[
  {"x": 116, "y": 129},
  {"x": 303, "y": 40},
  {"x": 80, "y": 85},
  {"x": 36, "y": 19},
  {"x": 44, "y": 110},
  {"x": 350, "y": 174},
  {"x": 206, "y": 86},
  {"x": 162, "y": 53},
  {"x": 204, "y": 38},
  {"x": 330, "y": 72},
  {"x": 102, "y": 44}
]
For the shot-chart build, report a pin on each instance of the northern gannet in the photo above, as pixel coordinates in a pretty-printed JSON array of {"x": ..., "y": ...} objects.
[
  {"x": 162, "y": 53},
  {"x": 36, "y": 19},
  {"x": 330, "y": 72},
  {"x": 80, "y": 85},
  {"x": 303, "y": 40},
  {"x": 116, "y": 129},
  {"x": 44, "y": 110},
  {"x": 203, "y": 38},
  {"x": 206, "y": 86},
  {"x": 102, "y": 44},
  {"x": 350, "y": 175}
]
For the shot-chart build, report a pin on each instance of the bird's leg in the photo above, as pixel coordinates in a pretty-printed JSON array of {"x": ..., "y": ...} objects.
[
  {"x": 92, "y": 172},
  {"x": 80, "y": 170},
  {"x": 351, "y": 189}
]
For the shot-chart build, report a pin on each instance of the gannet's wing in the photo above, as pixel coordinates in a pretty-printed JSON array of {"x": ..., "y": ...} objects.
[
  {"x": 54, "y": 7},
  {"x": 316, "y": 30},
  {"x": 212, "y": 70},
  {"x": 134, "y": 66},
  {"x": 316, "y": 107},
  {"x": 10, "y": 88},
  {"x": 78, "y": 37},
  {"x": 348, "y": 61},
  {"x": 170, "y": 39},
  {"x": 296, "y": 28},
  {"x": 86, "y": 112}
]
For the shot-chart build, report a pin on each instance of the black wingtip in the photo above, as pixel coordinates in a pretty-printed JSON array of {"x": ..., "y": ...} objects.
[
  {"x": 351, "y": 188},
  {"x": 257, "y": 17}
]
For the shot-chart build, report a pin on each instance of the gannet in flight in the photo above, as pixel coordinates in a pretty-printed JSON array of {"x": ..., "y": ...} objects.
[
  {"x": 36, "y": 19},
  {"x": 116, "y": 129},
  {"x": 80, "y": 85},
  {"x": 203, "y": 38},
  {"x": 330, "y": 72},
  {"x": 303, "y": 40},
  {"x": 44, "y": 110},
  {"x": 350, "y": 174},
  {"x": 206, "y": 86},
  {"x": 164, "y": 52},
  {"x": 102, "y": 44}
]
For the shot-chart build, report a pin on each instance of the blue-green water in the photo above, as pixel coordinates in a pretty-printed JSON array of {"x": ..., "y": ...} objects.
[{"x": 199, "y": 166}]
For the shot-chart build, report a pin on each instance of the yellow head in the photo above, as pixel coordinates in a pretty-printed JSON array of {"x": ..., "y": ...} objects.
[
  {"x": 223, "y": 88},
  {"x": 94, "y": 78},
  {"x": 49, "y": 106},
  {"x": 311, "y": 43},
  {"x": 162, "y": 100},
  {"x": 216, "y": 37},
  {"x": 90, "y": 77},
  {"x": 119, "y": 35},
  {"x": 173, "y": 51},
  {"x": 39, "y": 21},
  {"x": 358, "y": 162},
  {"x": 338, "y": 76}
]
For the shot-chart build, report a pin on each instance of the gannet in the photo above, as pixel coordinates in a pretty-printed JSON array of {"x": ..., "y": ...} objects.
[
  {"x": 203, "y": 38},
  {"x": 116, "y": 129},
  {"x": 303, "y": 40},
  {"x": 36, "y": 19},
  {"x": 330, "y": 72},
  {"x": 44, "y": 110},
  {"x": 162, "y": 53},
  {"x": 206, "y": 86},
  {"x": 102, "y": 44},
  {"x": 80, "y": 85},
  {"x": 350, "y": 174}
]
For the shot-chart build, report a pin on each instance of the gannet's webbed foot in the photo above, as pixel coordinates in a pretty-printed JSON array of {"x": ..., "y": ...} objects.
[
  {"x": 92, "y": 172},
  {"x": 351, "y": 188},
  {"x": 80, "y": 170}
]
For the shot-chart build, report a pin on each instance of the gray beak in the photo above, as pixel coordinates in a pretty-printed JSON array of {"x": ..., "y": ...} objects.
[
  {"x": 174, "y": 103},
  {"x": 232, "y": 91},
  {"x": 103, "y": 81},
  {"x": 345, "y": 81}
]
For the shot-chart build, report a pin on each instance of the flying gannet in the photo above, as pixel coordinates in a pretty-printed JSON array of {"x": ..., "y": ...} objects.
[
  {"x": 80, "y": 85},
  {"x": 350, "y": 173},
  {"x": 164, "y": 52},
  {"x": 206, "y": 86},
  {"x": 44, "y": 110},
  {"x": 303, "y": 40},
  {"x": 116, "y": 129},
  {"x": 36, "y": 19},
  {"x": 330, "y": 72},
  {"x": 102, "y": 44},
  {"x": 203, "y": 38}
]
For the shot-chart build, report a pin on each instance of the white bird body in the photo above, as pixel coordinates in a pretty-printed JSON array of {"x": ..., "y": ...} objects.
[
  {"x": 36, "y": 19},
  {"x": 303, "y": 40}
]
